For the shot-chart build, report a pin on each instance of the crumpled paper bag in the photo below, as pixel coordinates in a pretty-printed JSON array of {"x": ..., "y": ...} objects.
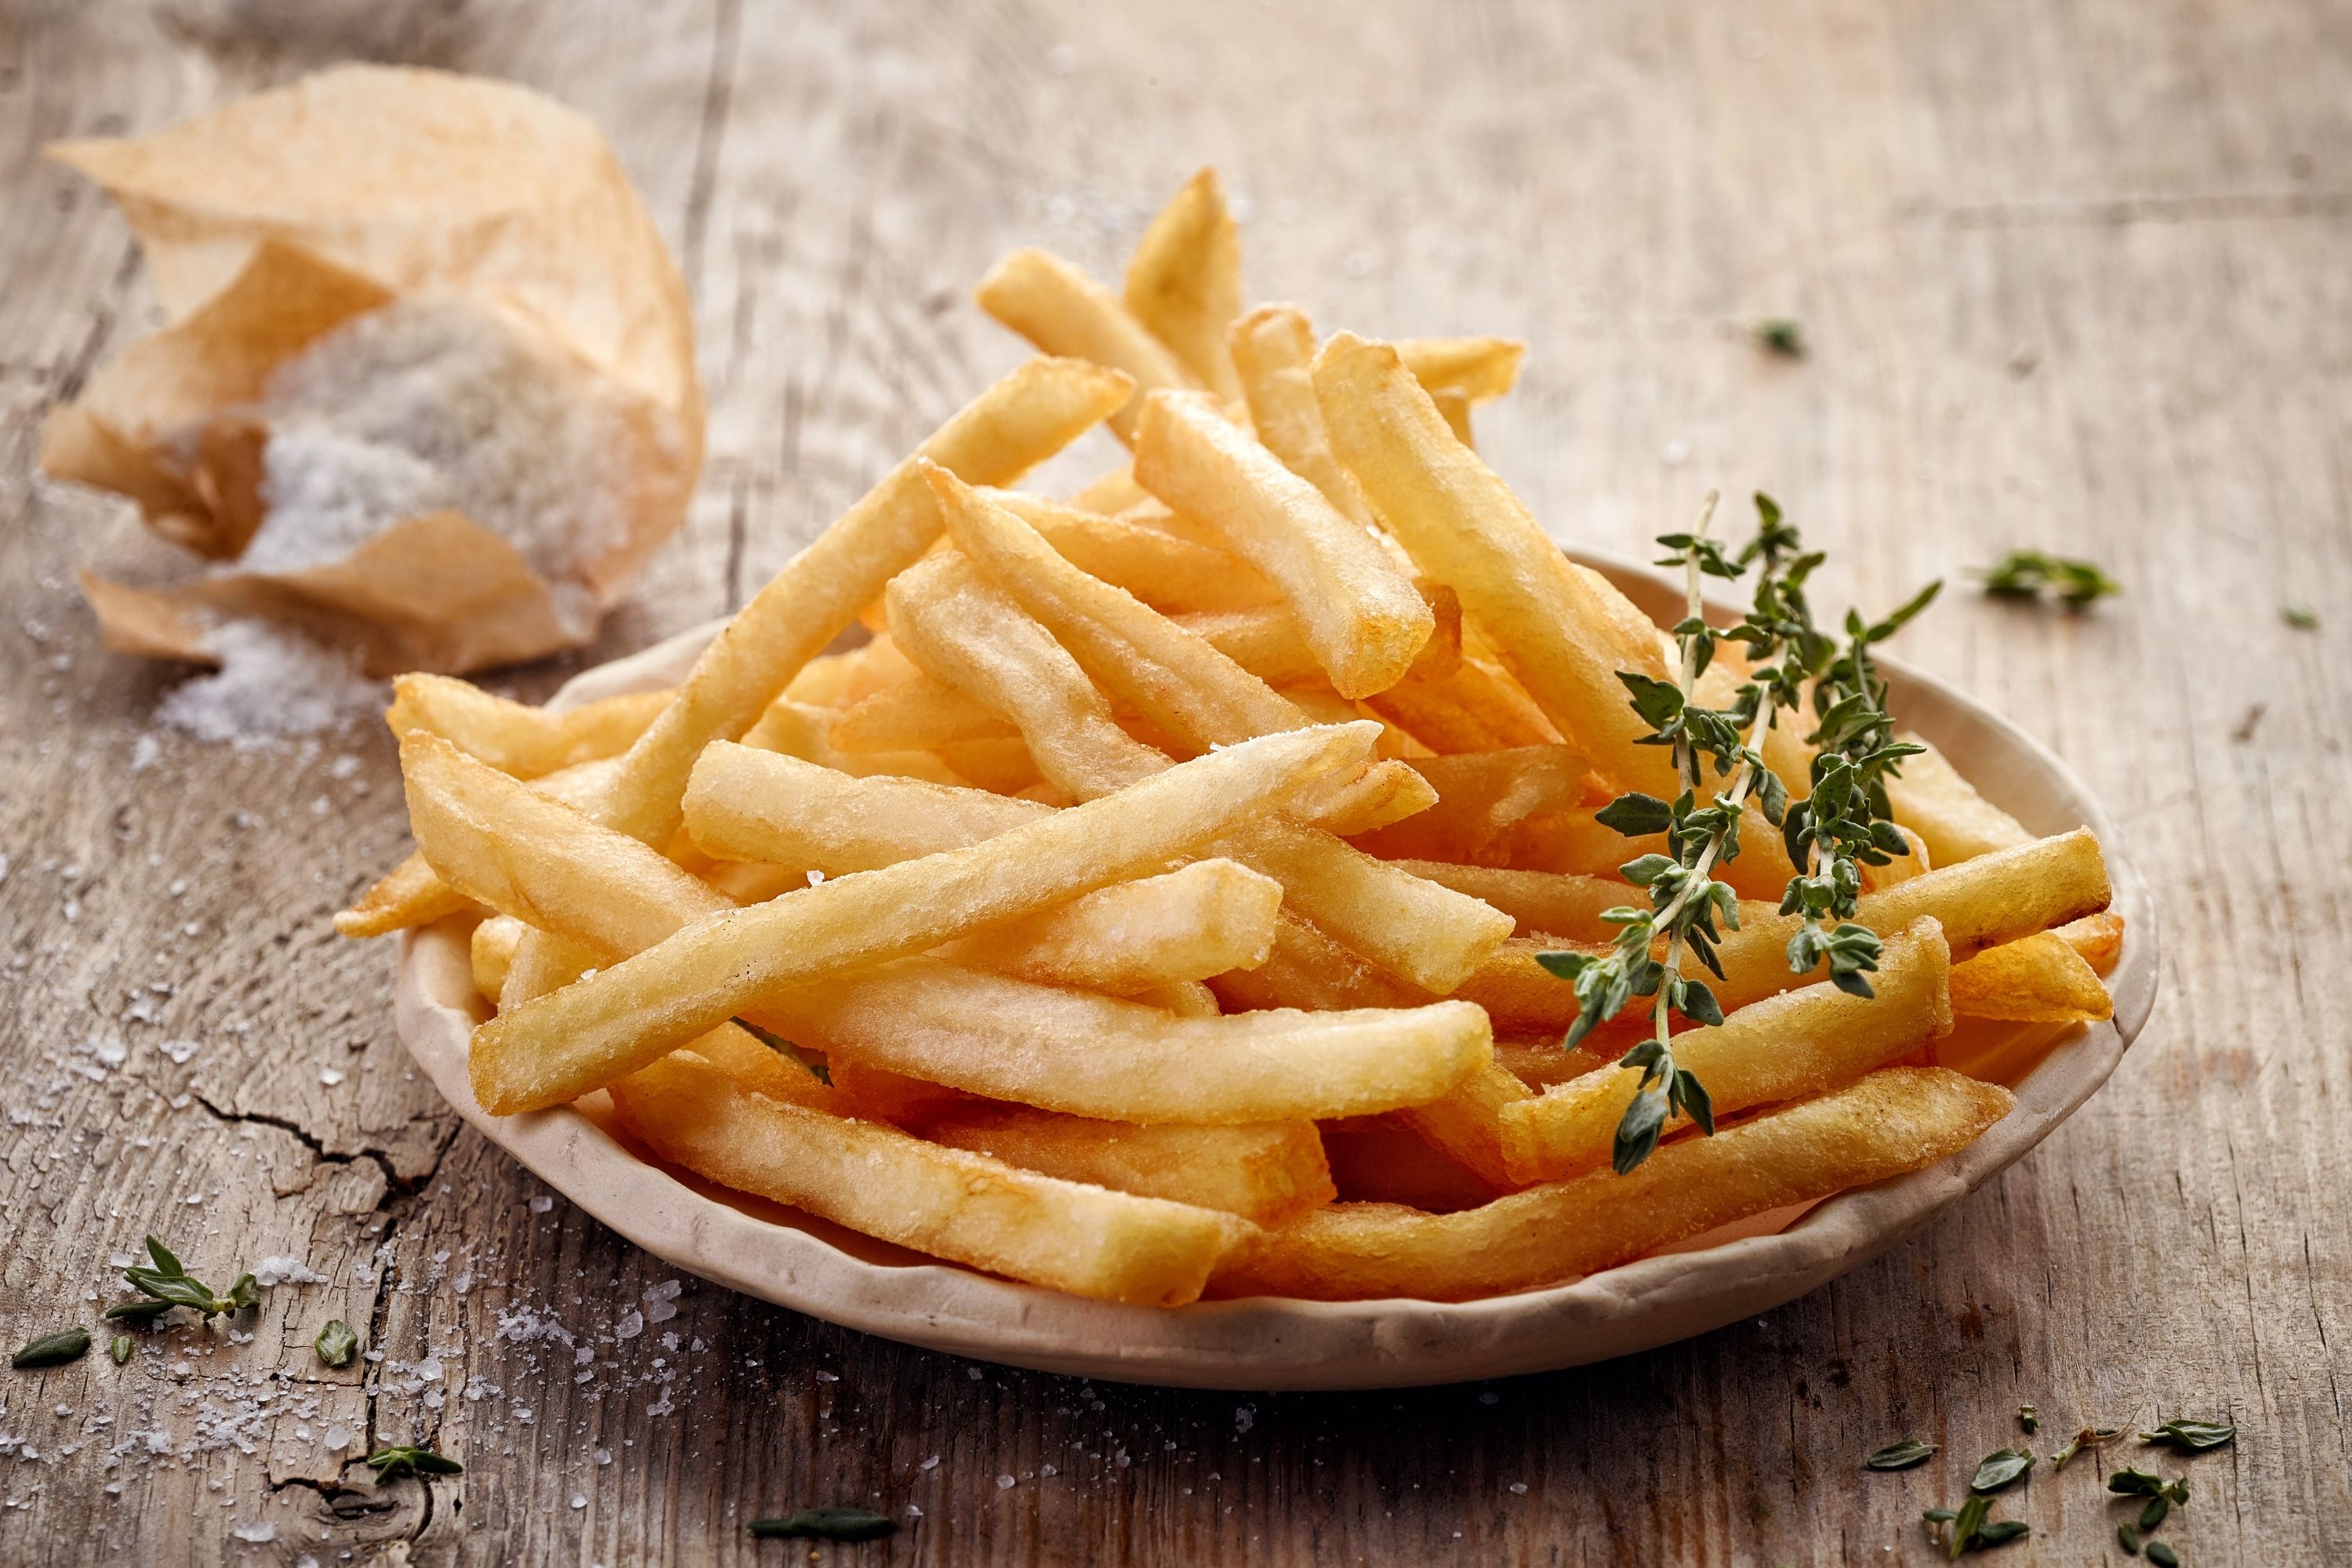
[{"x": 427, "y": 394}]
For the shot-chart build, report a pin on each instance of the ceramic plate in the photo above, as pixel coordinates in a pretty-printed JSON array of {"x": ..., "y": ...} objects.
[{"x": 810, "y": 1265}]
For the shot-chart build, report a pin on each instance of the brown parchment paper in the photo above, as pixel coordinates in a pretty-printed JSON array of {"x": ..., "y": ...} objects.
[{"x": 270, "y": 222}]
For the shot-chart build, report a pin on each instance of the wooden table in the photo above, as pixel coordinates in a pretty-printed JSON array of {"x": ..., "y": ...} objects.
[{"x": 2072, "y": 277}]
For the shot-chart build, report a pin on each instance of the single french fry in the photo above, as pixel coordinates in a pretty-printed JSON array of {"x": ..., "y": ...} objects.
[
  {"x": 561, "y": 1045},
  {"x": 987, "y": 1034},
  {"x": 1468, "y": 1121},
  {"x": 1979, "y": 903},
  {"x": 1184, "y": 282},
  {"x": 1465, "y": 528},
  {"x": 1062, "y": 311},
  {"x": 877, "y": 1094},
  {"x": 1273, "y": 348},
  {"x": 1264, "y": 1171},
  {"x": 796, "y": 812},
  {"x": 2037, "y": 979},
  {"x": 514, "y": 737},
  {"x": 1358, "y": 611},
  {"x": 965, "y": 1207},
  {"x": 1266, "y": 640},
  {"x": 1167, "y": 571},
  {"x": 1453, "y": 407},
  {"x": 916, "y": 715},
  {"x": 1010, "y": 428},
  {"x": 410, "y": 894},
  {"x": 1784, "y": 1048},
  {"x": 1931, "y": 798},
  {"x": 1478, "y": 368},
  {"x": 492, "y": 951},
  {"x": 1895, "y": 1120},
  {"x": 1481, "y": 797},
  {"x": 1001, "y": 764},
  {"x": 1187, "y": 924},
  {"x": 2098, "y": 938},
  {"x": 1562, "y": 904}
]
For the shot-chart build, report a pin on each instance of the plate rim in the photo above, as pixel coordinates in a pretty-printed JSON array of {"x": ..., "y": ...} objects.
[{"x": 1280, "y": 1342}]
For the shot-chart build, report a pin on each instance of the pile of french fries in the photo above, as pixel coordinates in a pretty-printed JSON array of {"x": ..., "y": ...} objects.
[{"x": 1148, "y": 905}]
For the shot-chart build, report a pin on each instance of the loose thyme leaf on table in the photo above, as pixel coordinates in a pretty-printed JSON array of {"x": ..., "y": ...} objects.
[
  {"x": 1843, "y": 826},
  {"x": 410, "y": 1459},
  {"x": 1783, "y": 335},
  {"x": 2192, "y": 1436},
  {"x": 169, "y": 1283},
  {"x": 1999, "y": 1467},
  {"x": 825, "y": 1524},
  {"x": 2162, "y": 1555},
  {"x": 1901, "y": 1456},
  {"x": 2029, "y": 1417},
  {"x": 336, "y": 1342},
  {"x": 52, "y": 1349},
  {"x": 2024, "y": 574}
]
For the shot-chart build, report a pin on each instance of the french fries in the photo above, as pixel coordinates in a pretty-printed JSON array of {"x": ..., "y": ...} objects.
[
  {"x": 1184, "y": 282},
  {"x": 1895, "y": 1120},
  {"x": 1134, "y": 912},
  {"x": 617, "y": 1020},
  {"x": 1358, "y": 613},
  {"x": 1062, "y": 311},
  {"x": 1085, "y": 1239},
  {"x": 1465, "y": 528},
  {"x": 1264, "y": 1172},
  {"x": 1787, "y": 1046}
]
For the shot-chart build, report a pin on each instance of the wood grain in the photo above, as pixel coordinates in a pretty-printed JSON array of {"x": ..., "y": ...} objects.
[{"x": 2073, "y": 277}]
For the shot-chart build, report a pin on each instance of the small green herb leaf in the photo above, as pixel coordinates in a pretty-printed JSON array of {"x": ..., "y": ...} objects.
[
  {"x": 245, "y": 1293},
  {"x": 825, "y": 1524},
  {"x": 2024, "y": 574},
  {"x": 411, "y": 1460},
  {"x": 166, "y": 1262},
  {"x": 2163, "y": 1556},
  {"x": 142, "y": 1312},
  {"x": 2128, "y": 1539},
  {"x": 120, "y": 1349},
  {"x": 2192, "y": 1436},
  {"x": 1999, "y": 1532},
  {"x": 1782, "y": 336},
  {"x": 1965, "y": 1525},
  {"x": 2135, "y": 1483},
  {"x": 53, "y": 1349},
  {"x": 2301, "y": 618},
  {"x": 1999, "y": 1467},
  {"x": 336, "y": 1342},
  {"x": 2153, "y": 1514},
  {"x": 1901, "y": 1456},
  {"x": 2029, "y": 1417}
]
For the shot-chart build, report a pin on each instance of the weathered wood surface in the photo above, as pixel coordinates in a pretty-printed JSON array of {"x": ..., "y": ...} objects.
[{"x": 2074, "y": 277}]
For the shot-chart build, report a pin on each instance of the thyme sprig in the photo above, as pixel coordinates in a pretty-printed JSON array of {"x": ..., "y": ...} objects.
[{"x": 1841, "y": 826}]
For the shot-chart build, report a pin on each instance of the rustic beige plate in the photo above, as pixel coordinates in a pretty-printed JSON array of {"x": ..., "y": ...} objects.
[{"x": 812, "y": 1266}]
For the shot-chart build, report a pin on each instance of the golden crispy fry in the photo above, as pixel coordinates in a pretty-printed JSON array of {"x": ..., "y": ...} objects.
[
  {"x": 1467, "y": 1122},
  {"x": 493, "y": 951},
  {"x": 914, "y": 716},
  {"x": 1980, "y": 904},
  {"x": 1481, "y": 797},
  {"x": 1895, "y": 1120},
  {"x": 411, "y": 895},
  {"x": 1063, "y": 312},
  {"x": 965, "y": 1207},
  {"x": 1478, "y": 368},
  {"x": 1001, "y": 764},
  {"x": 559, "y": 1045},
  {"x": 1185, "y": 282},
  {"x": 1307, "y": 969},
  {"x": 1477, "y": 708},
  {"x": 1465, "y": 528},
  {"x": 987, "y": 1034},
  {"x": 877, "y": 1094},
  {"x": 744, "y": 806},
  {"x": 1561, "y": 904},
  {"x": 1540, "y": 1064},
  {"x": 1273, "y": 348},
  {"x": 1010, "y": 428},
  {"x": 1800, "y": 1043},
  {"x": 1574, "y": 842},
  {"x": 1453, "y": 406},
  {"x": 1188, "y": 924},
  {"x": 514, "y": 737},
  {"x": 1263, "y": 1171},
  {"x": 1931, "y": 798},
  {"x": 1357, "y": 610},
  {"x": 1266, "y": 640},
  {"x": 2098, "y": 938},
  {"x": 2038, "y": 979},
  {"x": 1167, "y": 571}
]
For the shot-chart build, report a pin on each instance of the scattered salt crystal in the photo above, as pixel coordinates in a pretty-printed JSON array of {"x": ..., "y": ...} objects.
[
  {"x": 631, "y": 1325},
  {"x": 661, "y": 1313},
  {"x": 828, "y": 1377},
  {"x": 144, "y": 752},
  {"x": 1519, "y": 1488},
  {"x": 1245, "y": 1417},
  {"x": 179, "y": 1051},
  {"x": 343, "y": 767},
  {"x": 914, "y": 1510},
  {"x": 541, "y": 1203},
  {"x": 1490, "y": 1397},
  {"x": 667, "y": 1290},
  {"x": 269, "y": 683},
  {"x": 603, "y": 1455},
  {"x": 284, "y": 1269},
  {"x": 463, "y": 1281},
  {"x": 972, "y": 1373},
  {"x": 816, "y": 876},
  {"x": 260, "y": 1531},
  {"x": 579, "y": 1500},
  {"x": 193, "y": 1199},
  {"x": 669, "y": 1341},
  {"x": 330, "y": 1076},
  {"x": 930, "y": 1464},
  {"x": 336, "y": 1439},
  {"x": 429, "y": 1369},
  {"x": 1005, "y": 1483}
]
